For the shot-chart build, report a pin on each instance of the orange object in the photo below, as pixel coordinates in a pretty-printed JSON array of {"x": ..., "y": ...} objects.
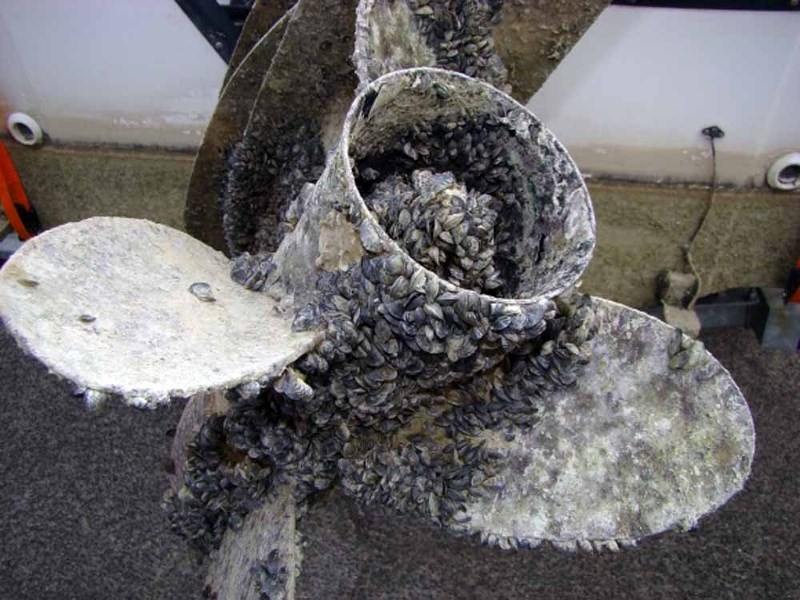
[
  {"x": 792, "y": 291},
  {"x": 18, "y": 209}
]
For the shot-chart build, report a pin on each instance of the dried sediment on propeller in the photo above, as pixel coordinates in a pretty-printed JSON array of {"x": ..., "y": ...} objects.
[
  {"x": 131, "y": 308},
  {"x": 449, "y": 34}
]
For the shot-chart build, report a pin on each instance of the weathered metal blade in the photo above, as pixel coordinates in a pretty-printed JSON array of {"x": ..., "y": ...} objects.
[
  {"x": 261, "y": 18},
  {"x": 653, "y": 435},
  {"x": 202, "y": 213},
  {"x": 262, "y": 559},
  {"x": 533, "y": 37},
  {"x": 295, "y": 118},
  {"x": 411, "y": 33},
  {"x": 514, "y": 48},
  {"x": 137, "y": 309}
]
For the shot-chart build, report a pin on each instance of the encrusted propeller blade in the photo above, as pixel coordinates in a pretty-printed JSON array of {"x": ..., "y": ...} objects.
[
  {"x": 262, "y": 559},
  {"x": 512, "y": 45},
  {"x": 261, "y": 18},
  {"x": 202, "y": 214},
  {"x": 651, "y": 433},
  {"x": 134, "y": 308},
  {"x": 295, "y": 118},
  {"x": 410, "y": 33},
  {"x": 532, "y": 38}
]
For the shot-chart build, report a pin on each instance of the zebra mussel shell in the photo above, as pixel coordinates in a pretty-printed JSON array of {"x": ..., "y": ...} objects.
[
  {"x": 456, "y": 36},
  {"x": 264, "y": 179}
]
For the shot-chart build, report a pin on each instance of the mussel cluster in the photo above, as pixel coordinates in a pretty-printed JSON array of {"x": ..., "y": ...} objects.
[
  {"x": 443, "y": 226},
  {"x": 414, "y": 330},
  {"x": 460, "y": 34},
  {"x": 469, "y": 218},
  {"x": 262, "y": 178},
  {"x": 448, "y": 34}
]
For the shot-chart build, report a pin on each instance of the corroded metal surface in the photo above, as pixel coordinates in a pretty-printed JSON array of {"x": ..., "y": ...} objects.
[
  {"x": 106, "y": 303},
  {"x": 653, "y": 435}
]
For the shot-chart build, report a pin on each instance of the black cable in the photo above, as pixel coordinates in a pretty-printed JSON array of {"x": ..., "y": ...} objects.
[{"x": 713, "y": 133}]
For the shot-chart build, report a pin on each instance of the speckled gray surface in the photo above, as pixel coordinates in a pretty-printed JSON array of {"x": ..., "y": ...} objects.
[
  {"x": 80, "y": 503},
  {"x": 80, "y": 495}
]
